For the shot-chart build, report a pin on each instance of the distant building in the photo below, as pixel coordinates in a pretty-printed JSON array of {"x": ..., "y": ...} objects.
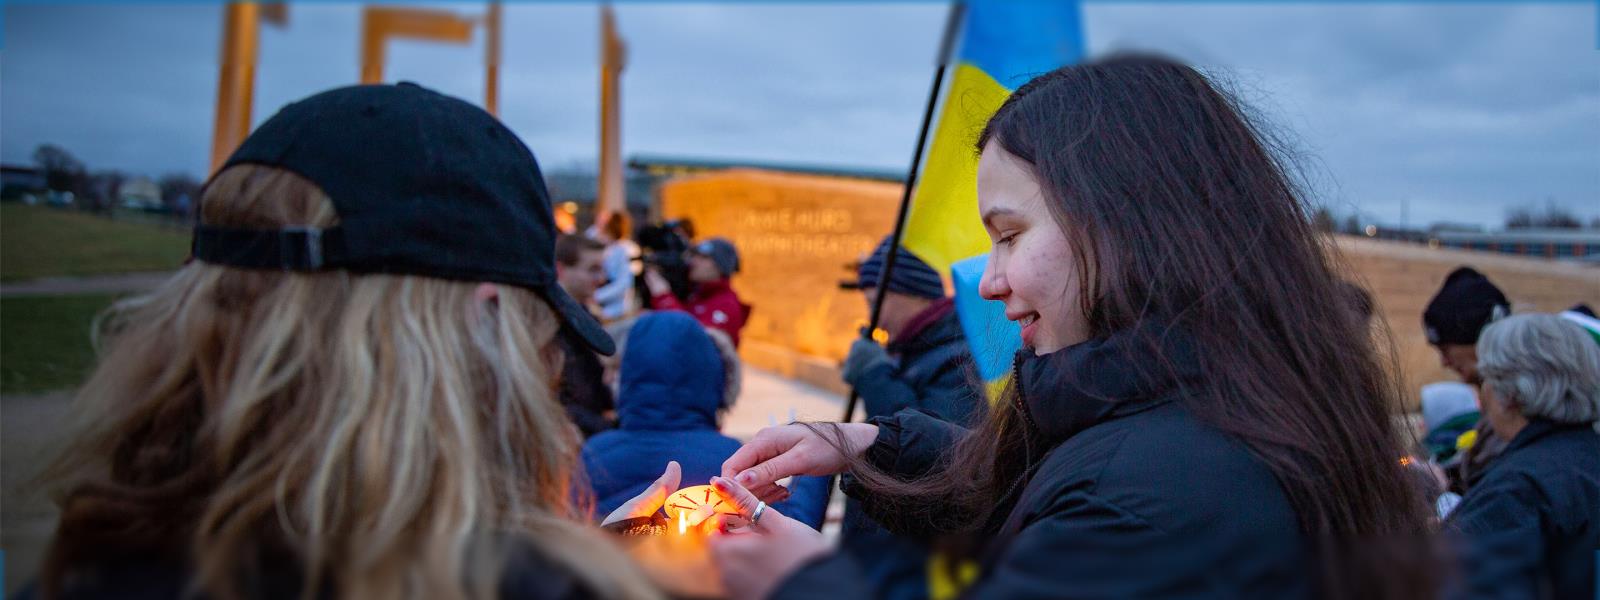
[
  {"x": 582, "y": 189},
  {"x": 16, "y": 180},
  {"x": 1567, "y": 244},
  {"x": 646, "y": 172},
  {"x": 139, "y": 193}
]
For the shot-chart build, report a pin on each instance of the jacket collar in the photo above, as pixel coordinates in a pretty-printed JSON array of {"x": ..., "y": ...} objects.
[
  {"x": 1129, "y": 371},
  {"x": 1538, "y": 428},
  {"x": 713, "y": 287},
  {"x": 923, "y": 325}
]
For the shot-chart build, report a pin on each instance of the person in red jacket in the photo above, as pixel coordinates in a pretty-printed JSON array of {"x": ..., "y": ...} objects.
[{"x": 713, "y": 302}]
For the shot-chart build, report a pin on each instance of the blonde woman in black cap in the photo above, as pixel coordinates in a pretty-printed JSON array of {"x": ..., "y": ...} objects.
[{"x": 349, "y": 391}]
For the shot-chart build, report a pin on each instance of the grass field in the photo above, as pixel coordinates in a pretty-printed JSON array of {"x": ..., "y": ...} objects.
[
  {"x": 44, "y": 341},
  {"x": 37, "y": 241}
]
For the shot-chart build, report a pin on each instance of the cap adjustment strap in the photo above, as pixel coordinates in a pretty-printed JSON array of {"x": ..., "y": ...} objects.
[{"x": 298, "y": 248}]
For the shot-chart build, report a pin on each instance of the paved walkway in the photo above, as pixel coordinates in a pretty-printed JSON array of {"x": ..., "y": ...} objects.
[
  {"x": 94, "y": 284},
  {"x": 30, "y": 428},
  {"x": 768, "y": 399}
]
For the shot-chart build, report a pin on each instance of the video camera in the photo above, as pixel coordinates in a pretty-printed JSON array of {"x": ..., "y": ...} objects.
[{"x": 662, "y": 249}]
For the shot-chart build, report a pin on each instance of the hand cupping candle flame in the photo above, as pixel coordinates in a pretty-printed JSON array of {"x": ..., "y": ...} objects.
[{"x": 679, "y": 559}]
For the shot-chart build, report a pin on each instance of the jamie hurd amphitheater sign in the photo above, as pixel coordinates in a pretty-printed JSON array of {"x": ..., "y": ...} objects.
[{"x": 796, "y": 235}]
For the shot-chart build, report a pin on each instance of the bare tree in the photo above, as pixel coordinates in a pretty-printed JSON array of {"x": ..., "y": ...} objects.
[
  {"x": 63, "y": 172},
  {"x": 1552, "y": 216},
  {"x": 1519, "y": 218},
  {"x": 1352, "y": 225},
  {"x": 179, "y": 192},
  {"x": 103, "y": 188}
]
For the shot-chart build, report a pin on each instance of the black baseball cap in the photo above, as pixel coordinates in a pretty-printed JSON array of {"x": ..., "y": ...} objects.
[{"x": 424, "y": 184}]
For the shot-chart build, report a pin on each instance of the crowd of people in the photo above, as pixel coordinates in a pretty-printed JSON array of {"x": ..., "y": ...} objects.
[{"x": 386, "y": 374}]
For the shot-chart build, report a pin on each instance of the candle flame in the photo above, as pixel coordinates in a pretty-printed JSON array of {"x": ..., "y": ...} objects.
[{"x": 683, "y": 522}]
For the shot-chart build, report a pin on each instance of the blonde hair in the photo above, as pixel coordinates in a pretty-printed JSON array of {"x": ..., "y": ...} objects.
[{"x": 389, "y": 435}]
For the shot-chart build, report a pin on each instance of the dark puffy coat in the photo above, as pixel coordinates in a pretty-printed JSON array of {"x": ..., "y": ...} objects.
[
  {"x": 583, "y": 391},
  {"x": 1132, "y": 497},
  {"x": 932, "y": 370},
  {"x": 1531, "y": 525},
  {"x": 672, "y": 387}
]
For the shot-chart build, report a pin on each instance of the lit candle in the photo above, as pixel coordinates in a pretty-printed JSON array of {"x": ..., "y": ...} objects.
[{"x": 694, "y": 505}]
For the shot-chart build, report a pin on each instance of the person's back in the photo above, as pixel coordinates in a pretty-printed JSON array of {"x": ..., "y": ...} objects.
[
  {"x": 339, "y": 397},
  {"x": 671, "y": 391},
  {"x": 674, "y": 385},
  {"x": 1538, "y": 505}
]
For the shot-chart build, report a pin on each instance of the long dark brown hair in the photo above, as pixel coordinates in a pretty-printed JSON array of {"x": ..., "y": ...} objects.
[{"x": 1181, "y": 208}]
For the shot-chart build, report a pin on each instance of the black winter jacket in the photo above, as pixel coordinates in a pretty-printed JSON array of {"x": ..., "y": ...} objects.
[
  {"x": 1531, "y": 526},
  {"x": 583, "y": 391},
  {"x": 1131, "y": 496},
  {"x": 932, "y": 372}
]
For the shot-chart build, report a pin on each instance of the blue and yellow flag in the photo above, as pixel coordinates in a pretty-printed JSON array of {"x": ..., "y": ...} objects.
[{"x": 1001, "y": 45}]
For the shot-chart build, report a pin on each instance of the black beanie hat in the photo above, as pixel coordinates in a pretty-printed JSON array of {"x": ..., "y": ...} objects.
[{"x": 1462, "y": 308}]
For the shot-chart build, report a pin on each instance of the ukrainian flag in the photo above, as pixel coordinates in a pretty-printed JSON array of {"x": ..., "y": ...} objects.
[{"x": 1001, "y": 45}]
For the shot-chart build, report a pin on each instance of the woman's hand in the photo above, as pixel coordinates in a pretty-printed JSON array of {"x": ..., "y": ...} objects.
[
  {"x": 755, "y": 558},
  {"x": 650, "y": 500},
  {"x": 778, "y": 452}
]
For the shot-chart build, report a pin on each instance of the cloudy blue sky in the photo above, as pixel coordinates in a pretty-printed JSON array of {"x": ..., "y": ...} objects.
[{"x": 1431, "y": 111}]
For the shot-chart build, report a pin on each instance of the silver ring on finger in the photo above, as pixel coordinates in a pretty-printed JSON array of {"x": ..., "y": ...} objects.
[{"x": 755, "y": 517}]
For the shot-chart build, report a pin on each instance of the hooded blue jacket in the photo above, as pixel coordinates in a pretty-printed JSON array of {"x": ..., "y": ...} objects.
[{"x": 673, "y": 383}]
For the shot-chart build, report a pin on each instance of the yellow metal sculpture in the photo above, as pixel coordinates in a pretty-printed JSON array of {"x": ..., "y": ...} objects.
[{"x": 241, "y": 26}]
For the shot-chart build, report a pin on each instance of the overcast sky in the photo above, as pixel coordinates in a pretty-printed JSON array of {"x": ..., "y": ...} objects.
[{"x": 1455, "y": 111}]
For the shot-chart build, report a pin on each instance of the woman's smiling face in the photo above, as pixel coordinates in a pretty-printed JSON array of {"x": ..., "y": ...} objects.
[{"x": 1032, "y": 267}]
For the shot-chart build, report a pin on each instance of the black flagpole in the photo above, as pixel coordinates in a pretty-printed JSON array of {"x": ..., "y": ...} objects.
[{"x": 950, "y": 26}]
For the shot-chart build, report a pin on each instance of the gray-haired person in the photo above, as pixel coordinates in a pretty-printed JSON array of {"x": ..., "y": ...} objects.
[{"x": 1531, "y": 526}]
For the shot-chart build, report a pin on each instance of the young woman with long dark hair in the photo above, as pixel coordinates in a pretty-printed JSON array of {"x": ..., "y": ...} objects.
[{"x": 1197, "y": 413}]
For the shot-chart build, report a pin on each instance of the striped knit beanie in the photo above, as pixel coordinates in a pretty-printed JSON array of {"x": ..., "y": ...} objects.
[
  {"x": 911, "y": 276},
  {"x": 1580, "y": 314}
]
